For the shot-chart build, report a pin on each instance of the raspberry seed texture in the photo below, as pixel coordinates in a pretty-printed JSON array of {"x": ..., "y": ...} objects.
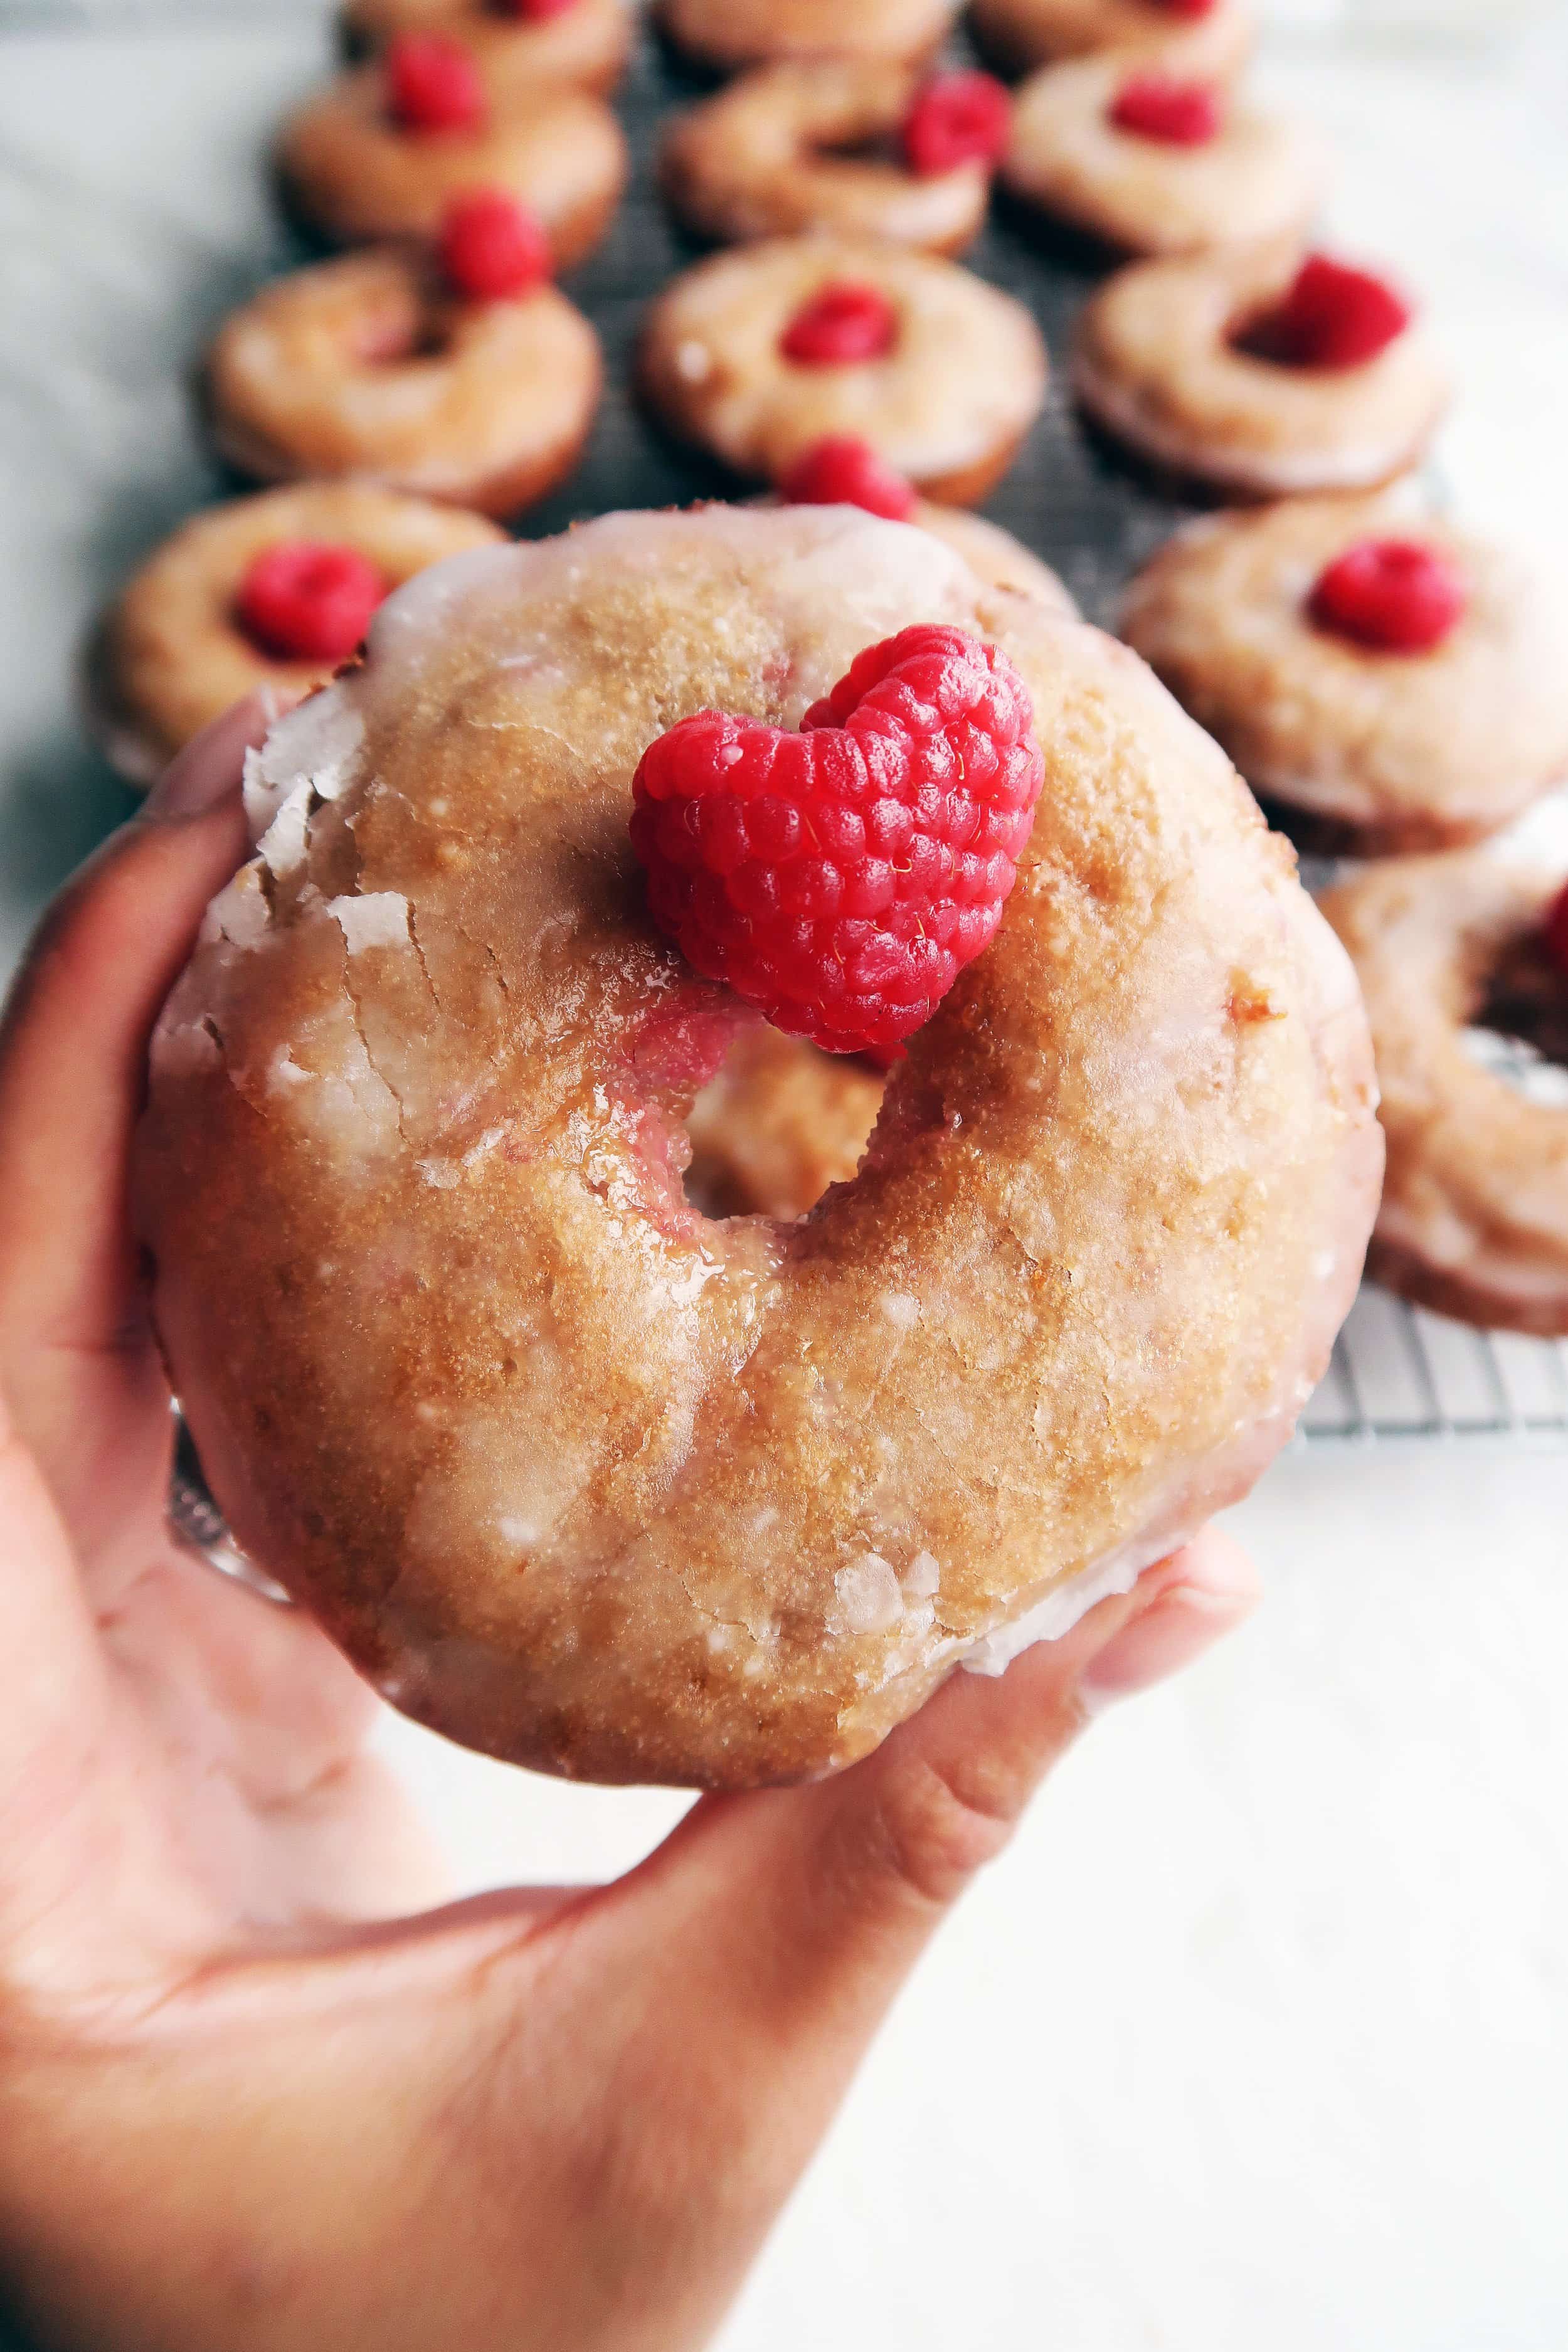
[{"x": 840, "y": 879}]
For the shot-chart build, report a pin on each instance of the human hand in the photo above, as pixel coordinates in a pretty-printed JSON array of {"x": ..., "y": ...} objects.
[{"x": 256, "y": 2096}]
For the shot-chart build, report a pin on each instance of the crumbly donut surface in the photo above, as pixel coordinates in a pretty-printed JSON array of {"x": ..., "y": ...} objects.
[
  {"x": 357, "y": 176},
  {"x": 586, "y": 44},
  {"x": 1154, "y": 365},
  {"x": 361, "y": 366},
  {"x": 727, "y": 34},
  {"x": 1474, "y": 1220},
  {"x": 586, "y": 1480},
  {"x": 947, "y": 405},
  {"x": 170, "y": 656},
  {"x": 1259, "y": 176},
  {"x": 772, "y": 155},
  {"x": 1022, "y": 34},
  {"x": 1404, "y": 752}
]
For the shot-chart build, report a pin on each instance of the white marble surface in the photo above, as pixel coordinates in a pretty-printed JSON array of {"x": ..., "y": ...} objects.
[{"x": 1257, "y": 2038}]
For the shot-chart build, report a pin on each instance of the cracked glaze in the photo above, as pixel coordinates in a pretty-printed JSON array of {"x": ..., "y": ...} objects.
[{"x": 579, "y": 1476}]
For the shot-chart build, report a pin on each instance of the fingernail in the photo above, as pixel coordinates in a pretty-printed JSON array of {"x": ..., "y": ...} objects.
[
  {"x": 1214, "y": 1590},
  {"x": 208, "y": 771}
]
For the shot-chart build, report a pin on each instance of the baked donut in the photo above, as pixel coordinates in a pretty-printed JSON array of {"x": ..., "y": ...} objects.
[
  {"x": 361, "y": 163},
  {"x": 757, "y": 355},
  {"x": 1238, "y": 369},
  {"x": 778, "y": 1124},
  {"x": 1396, "y": 680},
  {"x": 1155, "y": 156},
  {"x": 580, "y": 1477},
  {"x": 785, "y": 148},
  {"x": 1474, "y": 1221},
  {"x": 182, "y": 640},
  {"x": 725, "y": 35},
  {"x": 585, "y": 41},
  {"x": 372, "y": 365},
  {"x": 1019, "y": 34}
]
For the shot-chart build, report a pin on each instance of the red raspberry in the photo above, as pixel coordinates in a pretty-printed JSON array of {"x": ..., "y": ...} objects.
[
  {"x": 1187, "y": 7},
  {"x": 492, "y": 247},
  {"x": 535, "y": 11},
  {"x": 1176, "y": 113},
  {"x": 841, "y": 324},
  {"x": 304, "y": 600},
  {"x": 841, "y": 879},
  {"x": 433, "y": 84},
  {"x": 1392, "y": 595},
  {"x": 959, "y": 118},
  {"x": 843, "y": 472},
  {"x": 1557, "y": 932},
  {"x": 1331, "y": 317}
]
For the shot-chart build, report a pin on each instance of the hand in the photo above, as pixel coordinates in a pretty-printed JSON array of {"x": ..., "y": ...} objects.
[{"x": 253, "y": 2092}]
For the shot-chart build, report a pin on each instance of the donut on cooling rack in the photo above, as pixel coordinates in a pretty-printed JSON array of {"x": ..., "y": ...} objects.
[
  {"x": 1155, "y": 155},
  {"x": 841, "y": 471},
  {"x": 1398, "y": 682},
  {"x": 276, "y": 590},
  {"x": 426, "y": 376},
  {"x": 603, "y": 1486},
  {"x": 1474, "y": 1221},
  {"x": 526, "y": 42},
  {"x": 385, "y": 151},
  {"x": 1259, "y": 374},
  {"x": 788, "y": 147},
  {"x": 1019, "y": 34},
  {"x": 725, "y": 35},
  {"x": 757, "y": 355}
]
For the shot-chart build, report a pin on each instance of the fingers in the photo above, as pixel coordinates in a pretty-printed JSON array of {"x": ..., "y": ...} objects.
[{"x": 75, "y": 1352}]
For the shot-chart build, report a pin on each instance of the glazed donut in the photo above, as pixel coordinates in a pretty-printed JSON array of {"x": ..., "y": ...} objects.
[
  {"x": 1019, "y": 34},
  {"x": 1156, "y": 157},
  {"x": 725, "y": 35},
  {"x": 172, "y": 652},
  {"x": 847, "y": 473},
  {"x": 368, "y": 365},
  {"x": 774, "y": 153},
  {"x": 955, "y": 377},
  {"x": 1426, "y": 717},
  {"x": 586, "y": 42},
  {"x": 1159, "y": 363},
  {"x": 591, "y": 1483},
  {"x": 776, "y": 1126},
  {"x": 1474, "y": 1221},
  {"x": 356, "y": 174}
]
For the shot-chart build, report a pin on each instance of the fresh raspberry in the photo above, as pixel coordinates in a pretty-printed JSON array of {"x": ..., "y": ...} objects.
[
  {"x": 1331, "y": 317},
  {"x": 1176, "y": 113},
  {"x": 841, "y": 879},
  {"x": 1188, "y": 7},
  {"x": 1392, "y": 595},
  {"x": 959, "y": 118},
  {"x": 492, "y": 247},
  {"x": 1557, "y": 932},
  {"x": 534, "y": 12},
  {"x": 433, "y": 84},
  {"x": 841, "y": 324},
  {"x": 305, "y": 600},
  {"x": 843, "y": 472}
]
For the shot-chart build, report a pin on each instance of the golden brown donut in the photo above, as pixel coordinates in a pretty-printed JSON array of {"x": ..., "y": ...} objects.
[
  {"x": 776, "y": 1126},
  {"x": 947, "y": 406},
  {"x": 1156, "y": 365},
  {"x": 355, "y": 176},
  {"x": 1384, "y": 751},
  {"x": 579, "y": 1476},
  {"x": 1474, "y": 1221},
  {"x": 367, "y": 366},
  {"x": 169, "y": 655},
  {"x": 773, "y": 153},
  {"x": 1259, "y": 175},
  {"x": 726, "y": 35},
  {"x": 1019, "y": 34},
  {"x": 586, "y": 42}
]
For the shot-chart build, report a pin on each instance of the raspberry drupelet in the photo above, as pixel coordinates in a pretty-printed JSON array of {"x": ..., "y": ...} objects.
[{"x": 840, "y": 879}]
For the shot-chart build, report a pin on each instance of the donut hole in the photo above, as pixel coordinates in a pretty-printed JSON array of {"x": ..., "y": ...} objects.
[
  {"x": 776, "y": 1125},
  {"x": 1518, "y": 1028}
]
